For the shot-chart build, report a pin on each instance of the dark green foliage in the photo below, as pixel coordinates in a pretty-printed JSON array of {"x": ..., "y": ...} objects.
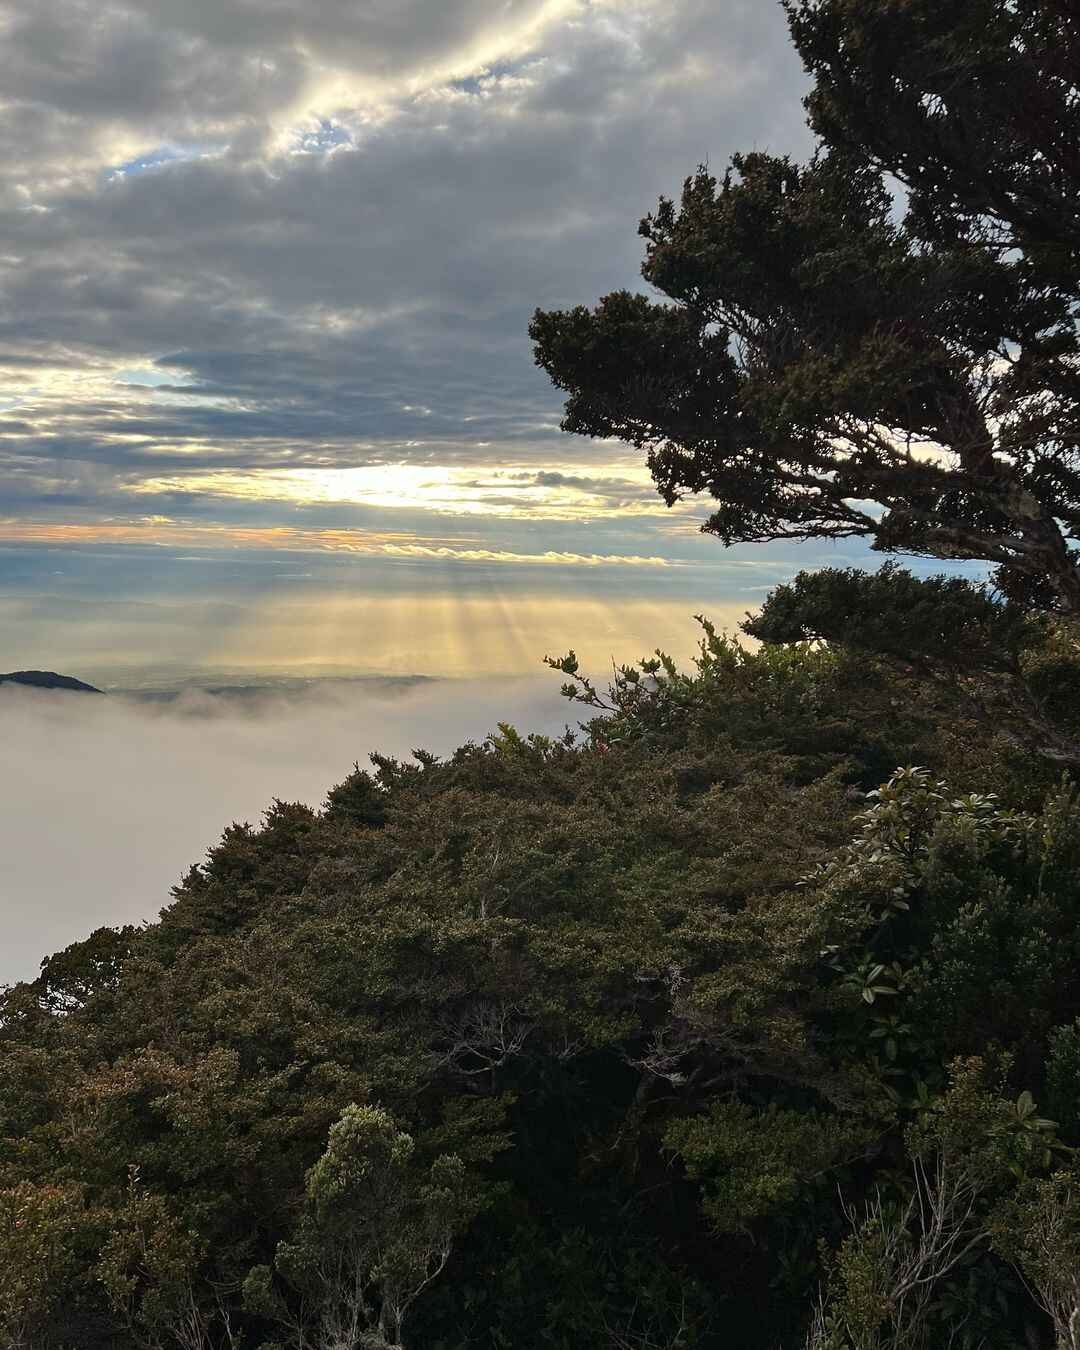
[
  {"x": 910, "y": 84},
  {"x": 358, "y": 801},
  {"x": 989, "y": 655},
  {"x": 72, "y": 976},
  {"x": 942, "y": 622},
  {"x": 1063, "y": 1076},
  {"x": 638, "y": 1006}
]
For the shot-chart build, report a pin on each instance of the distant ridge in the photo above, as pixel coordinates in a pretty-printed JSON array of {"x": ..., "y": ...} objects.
[{"x": 47, "y": 679}]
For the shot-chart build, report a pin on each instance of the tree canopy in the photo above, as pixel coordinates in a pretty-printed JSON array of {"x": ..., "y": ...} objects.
[{"x": 882, "y": 342}]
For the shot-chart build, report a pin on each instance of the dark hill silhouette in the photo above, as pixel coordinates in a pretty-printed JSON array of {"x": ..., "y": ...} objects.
[{"x": 48, "y": 679}]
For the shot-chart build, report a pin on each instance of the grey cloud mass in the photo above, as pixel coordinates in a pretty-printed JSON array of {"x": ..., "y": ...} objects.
[
  {"x": 83, "y": 80},
  {"x": 240, "y": 235}
]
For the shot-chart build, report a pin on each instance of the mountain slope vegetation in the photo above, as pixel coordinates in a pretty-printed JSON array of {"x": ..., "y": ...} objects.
[{"x": 616, "y": 1039}]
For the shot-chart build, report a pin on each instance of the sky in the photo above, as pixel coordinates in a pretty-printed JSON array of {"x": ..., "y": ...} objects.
[
  {"x": 267, "y": 399},
  {"x": 268, "y": 407}
]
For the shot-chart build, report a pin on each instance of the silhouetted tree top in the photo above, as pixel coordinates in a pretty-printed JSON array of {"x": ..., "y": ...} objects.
[
  {"x": 970, "y": 103},
  {"x": 825, "y": 366}
]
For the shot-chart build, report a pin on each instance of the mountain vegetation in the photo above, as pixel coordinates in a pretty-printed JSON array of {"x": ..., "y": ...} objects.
[
  {"x": 747, "y": 1015},
  {"x": 706, "y": 1026}
]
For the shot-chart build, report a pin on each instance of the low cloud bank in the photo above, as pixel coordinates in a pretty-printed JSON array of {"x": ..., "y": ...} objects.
[{"x": 106, "y": 802}]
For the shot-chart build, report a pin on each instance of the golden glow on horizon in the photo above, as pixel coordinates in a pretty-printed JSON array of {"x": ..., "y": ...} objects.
[
  {"x": 455, "y": 635},
  {"x": 310, "y": 630},
  {"x": 161, "y": 531},
  {"x": 562, "y": 492}
]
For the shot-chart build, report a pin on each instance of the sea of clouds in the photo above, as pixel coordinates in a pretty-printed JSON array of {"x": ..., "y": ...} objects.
[{"x": 106, "y": 801}]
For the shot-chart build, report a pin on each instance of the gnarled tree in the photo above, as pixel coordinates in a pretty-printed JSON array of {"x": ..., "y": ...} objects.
[{"x": 882, "y": 342}]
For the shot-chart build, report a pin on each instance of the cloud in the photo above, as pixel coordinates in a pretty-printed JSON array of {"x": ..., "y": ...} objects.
[
  {"x": 550, "y": 478},
  {"x": 284, "y": 538},
  {"x": 107, "y": 801},
  {"x": 283, "y": 235},
  {"x": 83, "y": 83}
]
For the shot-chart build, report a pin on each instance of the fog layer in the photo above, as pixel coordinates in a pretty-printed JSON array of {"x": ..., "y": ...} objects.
[{"x": 105, "y": 802}]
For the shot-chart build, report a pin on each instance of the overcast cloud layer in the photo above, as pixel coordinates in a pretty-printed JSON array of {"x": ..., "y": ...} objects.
[{"x": 267, "y": 266}]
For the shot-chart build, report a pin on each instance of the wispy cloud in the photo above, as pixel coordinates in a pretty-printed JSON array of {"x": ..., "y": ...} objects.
[{"x": 169, "y": 533}]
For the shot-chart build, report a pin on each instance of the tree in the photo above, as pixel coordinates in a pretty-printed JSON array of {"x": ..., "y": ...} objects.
[
  {"x": 908, "y": 84},
  {"x": 999, "y": 663},
  {"x": 377, "y": 1229},
  {"x": 887, "y": 1277},
  {"x": 933, "y": 623},
  {"x": 39, "y": 1227},
  {"x": 1039, "y": 1230},
  {"x": 70, "y": 977},
  {"x": 147, "y": 1268},
  {"x": 826, "y": 367}
]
